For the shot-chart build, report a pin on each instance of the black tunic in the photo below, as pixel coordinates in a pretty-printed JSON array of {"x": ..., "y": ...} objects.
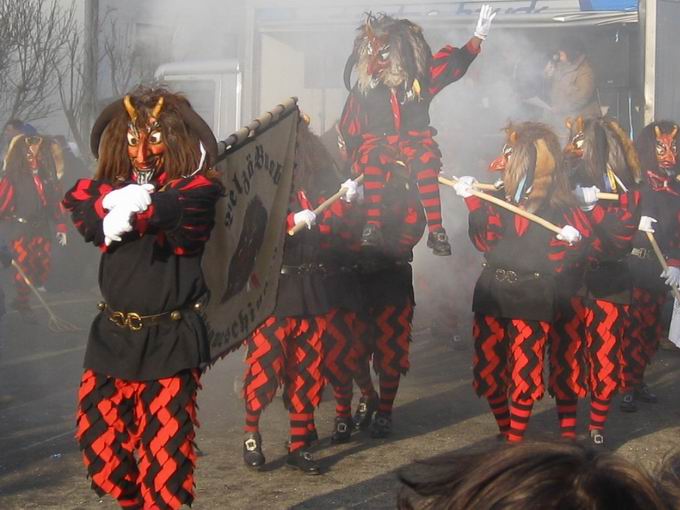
[{"x": 154, "y": 270}]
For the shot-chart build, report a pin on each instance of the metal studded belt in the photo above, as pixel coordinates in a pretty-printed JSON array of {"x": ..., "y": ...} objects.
[
  {"x": 510, "y": 276},
  {"x": 135, "y": 321},
  {"x": 642, "y": 253},
  {"x": 304, "y": 268}
]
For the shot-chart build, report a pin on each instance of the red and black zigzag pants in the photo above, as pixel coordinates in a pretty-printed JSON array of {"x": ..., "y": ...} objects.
[
  {"x": 33, "y": 254},
  {"x": 509, "y": 355},
  {"x": 137, "y": 438},
  {"x": 643, "y": 331},
  {"x": 586, "y": 356},
  {"x": 383, "y": 336},
  {"x": 285, "y": 351},
  {"x": 340, "y": 357},
  {"x": 586, "y": 349},
  {"x": 508, "y": 366},
  {"x": 421, "y": 155}
]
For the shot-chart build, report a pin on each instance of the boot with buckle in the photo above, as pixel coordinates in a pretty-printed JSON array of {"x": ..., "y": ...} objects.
[
  {"x": 302, "y": 460},
  {"x": 381, "y": 426},
  {"x": 252, "y": 451},
  {"x": 439, "y": 243},
  {"x": 342, "y": 432},
  {"x": 643, "y": 393},
  {"x": 628, "y": 404},
  {"x": 365, "y": 411},
  {"x": 597, "y": 438},
  {"x": 371, "y": 236}
]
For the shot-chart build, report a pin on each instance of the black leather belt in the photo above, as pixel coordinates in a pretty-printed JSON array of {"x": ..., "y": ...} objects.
[{"x": 135, "y": 321}]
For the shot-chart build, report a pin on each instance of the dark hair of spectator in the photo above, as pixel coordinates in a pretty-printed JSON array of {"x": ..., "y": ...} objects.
[
  {"x": 15, "y": 124},
  {"x": 573, "y": 48},
  {"x": 535, "y": 476}
]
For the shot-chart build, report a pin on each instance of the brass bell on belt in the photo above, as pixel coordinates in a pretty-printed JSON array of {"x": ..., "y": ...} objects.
[
  {"x": 101, "y": 306},
  {"x": 175, "y": 315}
]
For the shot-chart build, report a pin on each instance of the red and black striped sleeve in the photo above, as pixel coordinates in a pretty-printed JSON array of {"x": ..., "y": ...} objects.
[
  {"x": 183, "y": 212},
  {"x": 338, "y": 225},
  {"x": 565, "y": 257},
  {"x": 450, "y": 64},
  {"x": 485, "y": 226},
  {"x": 615, "y": 225},
  {"x": 6, "y": 196},
  {"x": 84, "y": 202},
  {"x": 352, "y": 122}
]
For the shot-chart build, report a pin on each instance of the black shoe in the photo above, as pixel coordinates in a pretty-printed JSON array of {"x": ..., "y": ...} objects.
[
  {"x": 364, "y": 414},
  {"x": 312, "y": 437},
  {"x": 381, "y": 426},
  {"x": 628, "y": 404},
  {"x": 301, "y": 459},
  {"x": 439, "y": 243},
  {"x": 643, "y": 393},
  {"x": 342, "y": 432},
  {"x": 597, "y": 438},
  {"x": 252, "y": 451},
  {"x": 371, "y": 236}
]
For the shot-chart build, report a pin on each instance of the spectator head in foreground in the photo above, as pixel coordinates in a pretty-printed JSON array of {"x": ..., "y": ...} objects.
[{"x": 538, "y": 476}]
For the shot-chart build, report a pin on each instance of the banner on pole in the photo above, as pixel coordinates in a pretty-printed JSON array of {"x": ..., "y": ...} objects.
[{"x": 242, "y": 260}]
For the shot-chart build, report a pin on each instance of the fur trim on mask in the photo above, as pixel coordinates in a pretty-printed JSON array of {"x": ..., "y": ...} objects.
[
  {"x": 409, "y": 54},
  {"x": 536, "y": 167}
]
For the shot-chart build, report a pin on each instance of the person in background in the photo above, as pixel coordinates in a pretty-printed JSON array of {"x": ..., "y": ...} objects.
[{"x": 572, "y": 84}]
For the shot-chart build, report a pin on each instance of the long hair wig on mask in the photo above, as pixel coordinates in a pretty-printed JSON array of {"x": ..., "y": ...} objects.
[
  {"x": 181, "y": 127},
  {"x": 646, "y": 144},
  {"x": 534, "y": 175},
  {"x": 609, "y": 156},
  {"x": 47, "y": 150},
  {"x": 400, "y": 46}
]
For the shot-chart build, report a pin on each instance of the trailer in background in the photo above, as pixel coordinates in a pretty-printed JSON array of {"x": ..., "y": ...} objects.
[{"x": 212, "y": 86}]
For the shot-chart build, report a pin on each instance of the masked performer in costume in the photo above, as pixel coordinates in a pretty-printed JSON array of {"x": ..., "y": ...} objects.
[
  {"x": 383, "y": 327},
  {"x": 150, "y": 209},
  {"x": 514, "y": 296},
  {"x": 385, "y": 125},
  {"x": 657, "y": 146},
  {"x": 29, "y": 203},
  {"x": 586, "y": 341},
  {"x": 308, "y": 337}
]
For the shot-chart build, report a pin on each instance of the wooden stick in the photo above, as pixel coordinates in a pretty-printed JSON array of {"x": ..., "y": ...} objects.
[
  {"x": 607, "y": 196},
  {"x": 505, "y": 205},
  {"x": 55, "y": 322},
  {"x": 662, "y": 261},
  {"x": 484, "y": 186},
  {"x": 325, "y": 205}
]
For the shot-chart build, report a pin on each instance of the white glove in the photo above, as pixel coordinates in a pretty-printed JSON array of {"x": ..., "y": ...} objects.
[
  {"x": 305, "y": 216},
  {"x": 352, "y": 192},
  {"x": 587, "y": 197},
  {"x": 569, "y": 234},
  {"x": 116, "y": 223},
  {"x": 672, "y": 276},
  {"x": 647, "y": 224},
  {"x": 136, "y": 197},
  {"x": 486, "y": 16},
  {"x": 61, "y": 238},
  {"x": 464, "y": 185}
]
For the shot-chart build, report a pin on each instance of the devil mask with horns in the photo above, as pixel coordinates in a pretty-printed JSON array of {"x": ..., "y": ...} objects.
[
  {"x": 657, "y": 146},
  {"x": 599, "y": 153},
  {"x": 532, "y": 168},
  {"x": 149, "y": 133},
  {"x": 392, "y": 52}
]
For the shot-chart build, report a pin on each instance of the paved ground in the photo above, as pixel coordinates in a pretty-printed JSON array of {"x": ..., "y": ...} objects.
[{"x": 436, "y": 412}]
